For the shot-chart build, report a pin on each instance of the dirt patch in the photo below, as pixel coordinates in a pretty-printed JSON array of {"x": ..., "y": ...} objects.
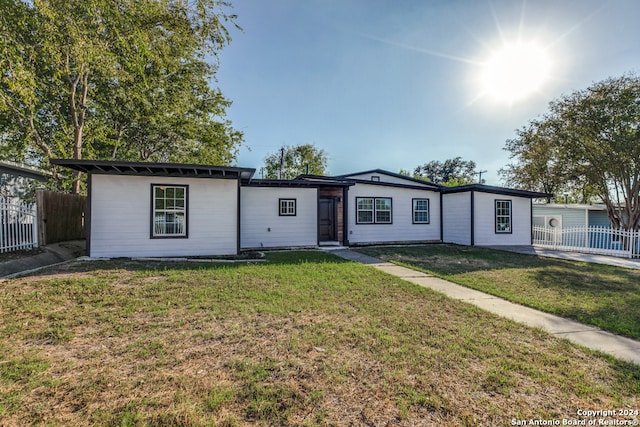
[{"x": 442, "y": 263}]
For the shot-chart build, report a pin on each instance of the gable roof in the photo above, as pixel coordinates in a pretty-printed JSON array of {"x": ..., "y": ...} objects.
[
  {"x": 495, "y": 190},
  {"x": 109, "y": 167},
  {"x": 392, "y": 174}
]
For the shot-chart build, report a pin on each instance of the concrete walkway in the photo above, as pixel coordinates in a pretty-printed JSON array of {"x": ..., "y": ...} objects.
[
  {"x": 52, "y": 254},
  {"x": 573, "y": 256},
  {"x": 588, "y": 336}
]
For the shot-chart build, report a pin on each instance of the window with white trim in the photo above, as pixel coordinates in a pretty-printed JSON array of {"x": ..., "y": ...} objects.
[
  {"x": 364, "y": 210},
  {"x": 420, "y": 211},
  {"x": 287, "y": 207},
  {"x": 373, "y": 210},
  {"x": 169, "y": 210},
  {"x": 503, "y": 216}
]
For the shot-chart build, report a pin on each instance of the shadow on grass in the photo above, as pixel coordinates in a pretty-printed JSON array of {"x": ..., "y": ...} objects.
[{"x": 601, "y": 295}]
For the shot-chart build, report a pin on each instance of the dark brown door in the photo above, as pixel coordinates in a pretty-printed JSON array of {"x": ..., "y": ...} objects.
[{"x": 327, "y": 220}]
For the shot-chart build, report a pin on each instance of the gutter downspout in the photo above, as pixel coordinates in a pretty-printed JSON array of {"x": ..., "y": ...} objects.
[
  {"x": 238, "y": 219},
  {"x": 441, "y": 218},
  {"x": 473, "y": 220}
]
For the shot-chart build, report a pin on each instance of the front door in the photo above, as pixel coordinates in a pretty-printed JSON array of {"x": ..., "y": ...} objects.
[{"x": 327, "y": 220}]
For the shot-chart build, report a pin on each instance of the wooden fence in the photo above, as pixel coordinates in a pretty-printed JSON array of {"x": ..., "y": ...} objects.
[
  {"x": 60, "y": 216},
  {"x": 594, "y": 240},
  {"x": 18, "y": 225}
]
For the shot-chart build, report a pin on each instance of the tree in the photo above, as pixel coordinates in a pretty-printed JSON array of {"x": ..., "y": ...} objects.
[
  {"x": 590, "y": 142},
  {"x": 451, "y": 172},
  {"x": 538, "y": 168},
  {"x": 113, "y": 79},
  {"x": 295, "y": 160}
]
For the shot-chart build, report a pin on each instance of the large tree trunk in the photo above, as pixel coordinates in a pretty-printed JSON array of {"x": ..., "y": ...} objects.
[{"x": 78, "y": 108}]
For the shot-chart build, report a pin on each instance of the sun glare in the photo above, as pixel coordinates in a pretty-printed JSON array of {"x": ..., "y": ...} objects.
[{"x": 515, "y": 72}]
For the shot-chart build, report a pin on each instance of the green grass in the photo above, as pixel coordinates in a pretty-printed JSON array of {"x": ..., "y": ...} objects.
[
  {"x": 601, "y": 295},
  {"x": 303, "y": 339}
]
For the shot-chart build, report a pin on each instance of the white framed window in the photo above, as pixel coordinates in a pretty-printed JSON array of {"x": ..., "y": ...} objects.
[
  {"x": 383, "y": 211},
  {"x": 503, "y": 216},
  {"x": 364, "y": 210},
  {"x": 420, "y": 211},
  {"x": 373, "y": 210},
  {"x": 169, "y": 210},
  {"x": 287, "y": 207}
]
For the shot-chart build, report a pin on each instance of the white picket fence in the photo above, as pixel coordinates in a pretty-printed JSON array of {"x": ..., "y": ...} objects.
[
  {"x": 18, "y": 225},
  {"x": 593, "y": 240}
]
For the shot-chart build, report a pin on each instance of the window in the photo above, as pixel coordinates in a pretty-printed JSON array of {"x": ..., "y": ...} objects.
[
  {"x": 373, "y": 210},
  {"x": 169, "y": 211},
  {"x": 364, "y": 211},
  {"x": 383, "y": 211},
  {"x": 375, "y": 178},
  {"x": 287, "y": 207},
  {"x": 503, "y": 216},
  {"x": 421, "y": 211}
]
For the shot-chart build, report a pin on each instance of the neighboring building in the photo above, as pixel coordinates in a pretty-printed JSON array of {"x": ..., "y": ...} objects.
[
  {"x": 162, "y": 209},
  {"x": 583, "y": 225},
  {"x": 19, "y": 181},
  {"x": 570, "y": 215}
]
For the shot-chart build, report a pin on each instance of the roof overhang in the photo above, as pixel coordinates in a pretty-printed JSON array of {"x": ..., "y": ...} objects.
[
  {"x": 24, "y": 171},
  {"x": 496, "y": 190},
  {"x": 296, "y": 183},
  {"x": 108, "y": 167},
  {"x": 420, "y": 182},
  {"x": 579, "y": 206}
]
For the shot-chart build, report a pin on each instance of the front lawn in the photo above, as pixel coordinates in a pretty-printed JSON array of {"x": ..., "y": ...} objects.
[
  {"x": 302, "y": 339},
  {"x": 596, "y": 294}
]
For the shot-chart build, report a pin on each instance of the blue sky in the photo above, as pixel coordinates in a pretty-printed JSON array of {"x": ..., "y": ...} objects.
[{"x": 395, "y": 84}]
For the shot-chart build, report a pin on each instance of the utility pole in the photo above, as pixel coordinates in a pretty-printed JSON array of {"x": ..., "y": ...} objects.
[
  {"x": 281, "y": 163},
  {"x": 480, "y": 176}
]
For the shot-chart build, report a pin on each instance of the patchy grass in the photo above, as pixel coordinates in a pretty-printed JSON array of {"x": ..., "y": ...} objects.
[
  {"x": 304, "y": 339},
  {"x": 595, "y": 294}
]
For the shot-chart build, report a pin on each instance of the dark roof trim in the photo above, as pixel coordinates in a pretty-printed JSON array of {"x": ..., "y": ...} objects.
[
  {"x": 24, "y": 171},
  {"x": 393, "y": 174},
  {"x": 154, "y": 169},
  {"x": 293, "y": 183},
  {"x": 320, "y": 179},
  {"x": 495, "y": 190},
  {"x": 435, "y": 189},
  {"x": 352, "y": 181}
]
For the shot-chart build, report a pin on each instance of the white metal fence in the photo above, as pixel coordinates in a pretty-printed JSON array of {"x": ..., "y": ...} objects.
[
  {"x": 18, "y": 225},
  {"x": 594, "y": 240}
]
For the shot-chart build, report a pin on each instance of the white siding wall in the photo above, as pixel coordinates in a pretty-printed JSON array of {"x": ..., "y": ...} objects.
[
  {"x": 386, "y": 178},
  {"x": 484, "y": 215},
  {"x": 402, "y": 229},
  {"x": 456, "y": 212},
  {"x": 261, "y": 225},
  {"x": 121, "y": 217}
]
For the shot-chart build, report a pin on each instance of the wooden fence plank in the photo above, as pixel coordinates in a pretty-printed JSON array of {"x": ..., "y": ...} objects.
[{"x": 60, "y": 216}]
